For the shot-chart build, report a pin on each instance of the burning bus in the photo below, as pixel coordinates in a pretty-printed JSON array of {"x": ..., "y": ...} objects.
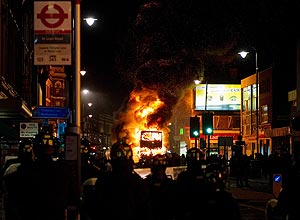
[
  {"x": 151, "y": 142},
  {"x": 151, "y": 139},
  {"x": 143, "y": 123}
]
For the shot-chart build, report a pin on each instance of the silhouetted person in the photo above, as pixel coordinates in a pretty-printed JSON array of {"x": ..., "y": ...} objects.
[
  {"x": 88, "y": 168},
  {"x": 25, "y": 161},
  {"x": 191, "y": 184},
  {"x": 198, "y": 187},
  {"x": 44, "y": 190},
  {"x": 88, "y": 185},
  {"x": 162, "y": 189},
  {"x": 245, "y": 170},
  {"x": 290, "y": 193},
  {"x": 122, "y": 193},
  {"x": 274, "y": 165}
]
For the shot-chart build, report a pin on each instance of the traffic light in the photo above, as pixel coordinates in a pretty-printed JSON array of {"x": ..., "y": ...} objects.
[
  {"x": 207, "y": 123},
  {"x": 194, "y": 127}
]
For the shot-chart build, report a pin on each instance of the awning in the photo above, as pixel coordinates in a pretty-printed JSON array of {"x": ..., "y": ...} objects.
[
  {"x": 12, "y": 112},
  {"x": 15, "y": 109}
]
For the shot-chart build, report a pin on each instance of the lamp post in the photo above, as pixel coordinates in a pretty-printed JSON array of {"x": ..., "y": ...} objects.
[
  {"x": 77, "y": 96},
  {"x": 243, "y": 54}
]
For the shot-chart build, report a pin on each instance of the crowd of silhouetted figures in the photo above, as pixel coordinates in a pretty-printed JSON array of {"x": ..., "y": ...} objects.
[
  {"x": 122, "y": 194},
  {"x": 244, "y": 167},
  {"x": 38, "y": 186}
]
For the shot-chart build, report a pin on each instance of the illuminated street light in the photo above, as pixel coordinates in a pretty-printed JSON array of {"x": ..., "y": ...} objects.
[
  {"x": 197, "y": 81},
  {"x": 82, "y": 72},
  {"x": 90, "y": 20},
  {"x": 85, "y": 91},
  {"x": 243, "y": 54},
  {"x": 200, "y": 77}
]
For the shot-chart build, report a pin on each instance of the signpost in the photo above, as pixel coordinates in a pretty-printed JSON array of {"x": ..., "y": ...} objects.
[
  {"x": 277, "y": 184},
  {"x": 52, "y": 30},
  {"x": 28, "y": 130},
  {"x": 51, "y": 112}
]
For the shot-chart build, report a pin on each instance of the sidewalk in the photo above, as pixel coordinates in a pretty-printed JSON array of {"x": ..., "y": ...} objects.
[
  {"x": 259, "y": 189},
  {"x": 249, "y": 194}
]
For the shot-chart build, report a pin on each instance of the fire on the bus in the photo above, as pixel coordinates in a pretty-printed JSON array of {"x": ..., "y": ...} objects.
[{"x": 143, "y": 123}]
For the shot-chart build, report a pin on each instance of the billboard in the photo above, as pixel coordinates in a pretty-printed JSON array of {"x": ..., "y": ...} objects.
[{"x": 218, "y": 97}]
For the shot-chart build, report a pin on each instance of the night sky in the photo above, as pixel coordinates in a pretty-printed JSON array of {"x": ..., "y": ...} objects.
[{"x": 214, "y": 30}]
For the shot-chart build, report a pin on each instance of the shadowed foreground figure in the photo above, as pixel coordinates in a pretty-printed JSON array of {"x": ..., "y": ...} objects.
[
  {"x": 207, "y": 200},
  {"x": 286, "y": 206},
  {"x": 25, "y": 160},
  {"x": 42, "y": 190},
  {"x": 162, "y": 189},
  {"x": 122, "y": 193}
]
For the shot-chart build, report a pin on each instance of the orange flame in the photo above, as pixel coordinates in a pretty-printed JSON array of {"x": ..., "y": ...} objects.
[{"x": 142, "y": 113}]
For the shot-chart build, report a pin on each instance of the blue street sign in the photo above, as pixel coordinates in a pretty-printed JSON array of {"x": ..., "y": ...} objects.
[
  {"x": 277, "y": 178},
  {"x": 51, "y": 112}
]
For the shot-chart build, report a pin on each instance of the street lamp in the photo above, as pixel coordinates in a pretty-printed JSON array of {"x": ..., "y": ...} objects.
[
  {"x": 82, "y": 72},
  {"x": 90, "y": 104},
  {"x": 90, "y": 20},
  {"x": 85, "y": 91},
  {"x": 77, "y": 87},
  {"x": 243, "y": 54},
  {"x": 200, "y": 77}
]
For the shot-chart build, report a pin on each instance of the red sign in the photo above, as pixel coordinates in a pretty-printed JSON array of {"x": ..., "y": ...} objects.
[
  {"x": 216, "y": 136},
  {"x": 46, "y": 17},
  {"x": 53, "y": 33}
]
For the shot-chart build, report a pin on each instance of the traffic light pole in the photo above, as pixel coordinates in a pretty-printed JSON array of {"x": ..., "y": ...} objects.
[
  {"x": 208, "y": 145},
  {"x": 208, "y": 136},
  {"x": 194, "y": 128}
]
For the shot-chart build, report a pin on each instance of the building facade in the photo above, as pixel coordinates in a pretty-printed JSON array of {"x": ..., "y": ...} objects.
[{"x": 25, "y": 86}]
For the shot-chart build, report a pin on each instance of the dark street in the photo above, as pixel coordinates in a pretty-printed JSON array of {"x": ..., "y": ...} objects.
[{"x": 252, "y": 199}]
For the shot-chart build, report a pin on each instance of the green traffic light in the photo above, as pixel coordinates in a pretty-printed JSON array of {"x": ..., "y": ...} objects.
[
  {"x": 207, "y": 123},
  {"x": 209, "y": 130},
  {"x": 194, "y": 127},
  {"x": 196, "y": 133}
]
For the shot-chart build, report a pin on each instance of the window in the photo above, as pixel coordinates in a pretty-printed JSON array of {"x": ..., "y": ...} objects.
[
  {"x": 264, "y": 114},
  {"x": 246, "y": 98}
]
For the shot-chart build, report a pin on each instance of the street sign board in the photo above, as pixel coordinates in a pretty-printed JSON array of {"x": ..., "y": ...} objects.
[
  {"x": 51, "y": 112},
  {"x": 28, "y": 129},
  {"x": 52, "y": 33},
  {"x": 225, "y": 141}
]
